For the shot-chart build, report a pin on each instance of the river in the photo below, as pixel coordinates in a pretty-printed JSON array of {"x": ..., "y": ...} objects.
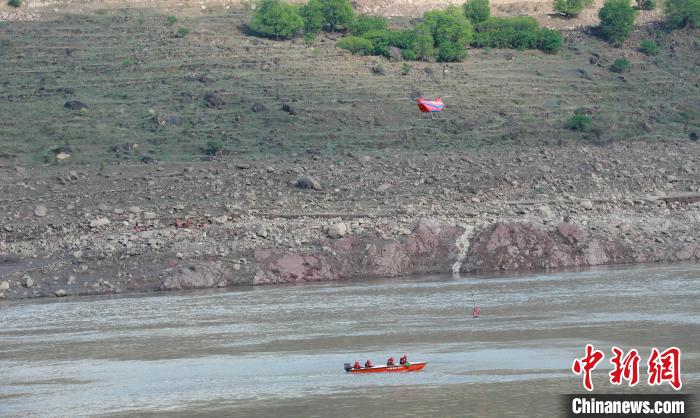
[{"x": 279, "y": 351}]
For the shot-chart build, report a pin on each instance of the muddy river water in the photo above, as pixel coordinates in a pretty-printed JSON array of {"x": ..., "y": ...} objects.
[{"x": 279, "y": 351}]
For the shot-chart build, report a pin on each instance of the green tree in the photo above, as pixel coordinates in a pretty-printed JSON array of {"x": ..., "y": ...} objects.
[
  {"x": 365, "y": 23},
  {"x": 312, "y": 13},
  {"x": 338, "y": 14},
  {"x": 477, "y": 10},
  {"x": 425, "y": 44},
  {"x": 617, "y": 20},
  {"x": 451, "y": 32},
  {"x": 550, "y": 40},
  {"x": 571, "y": 7},
  {"x": 682, "y": 13},
  {"x": 276, "y": 19}
]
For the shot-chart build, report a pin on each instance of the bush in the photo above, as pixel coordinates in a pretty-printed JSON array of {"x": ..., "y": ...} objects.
[
  {"x": 409, "y": 54},
  {"x": 579, "y": 122},
  {"x": 382, "y": 39},
  {"x": 550, "y": 40},
  {"x": 182, "y": 32},
  {"x": 378, "y": 69},
  {"x": 214, "y": 148},
  {"x": 646, "y": 4},
  {"x": 649, "y": 47},
  {"x": 620, "y": 65},
  {"x": 682, "y": 13},
  {"x": 617, "y": 20},
  {"x": 312, "y": 14},
  {"x": 507, "y": 32},
  {"x": 14, "y": 3},
  {"x": 329, "y": 15},
  {"x": 405, "y": 69},
  {"x": 571, "y": 7},
  {"x": 451, "y": 33},
  {"x": 170, "y": 20},
  {"x": 477, "y": 10},
  {"x": 364, "y": 24},
  {"x": 355, "y": 44},
  {"x": 424, "y": 45},
  {"x": 276, "y": 19}
]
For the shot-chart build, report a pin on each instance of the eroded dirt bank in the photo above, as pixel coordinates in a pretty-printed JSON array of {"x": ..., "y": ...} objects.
[{"x": 168, "y": 226}]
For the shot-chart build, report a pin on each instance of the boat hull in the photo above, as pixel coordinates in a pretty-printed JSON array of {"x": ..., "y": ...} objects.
[{"x": 412, "y": 367}]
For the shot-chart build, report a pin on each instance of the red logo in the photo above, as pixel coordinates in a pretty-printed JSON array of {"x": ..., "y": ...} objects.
[
  {"x": 587, "y": 364},
  {"x": 625, "y": 368},
  {"x": 665, "y": 367},
  {"x": 662, "y": 367}
]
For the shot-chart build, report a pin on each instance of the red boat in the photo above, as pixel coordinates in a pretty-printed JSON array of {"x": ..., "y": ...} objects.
[{"x": 398, "y": 368}]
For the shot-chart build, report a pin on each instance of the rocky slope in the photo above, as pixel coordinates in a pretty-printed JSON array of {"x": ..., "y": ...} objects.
[{"x": 172, "y": 226}]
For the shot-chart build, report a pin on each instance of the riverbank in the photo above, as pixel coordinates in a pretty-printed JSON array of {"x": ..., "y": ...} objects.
[{"x": 229, "y": 222}]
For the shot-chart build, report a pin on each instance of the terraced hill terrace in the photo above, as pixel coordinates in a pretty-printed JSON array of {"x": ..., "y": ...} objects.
[{"x": 135, "y": 88}]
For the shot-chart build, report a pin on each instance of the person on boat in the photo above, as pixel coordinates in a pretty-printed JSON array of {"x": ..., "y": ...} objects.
[
  {"x": 368, "y": 364},
  {"x": 390, "y": 362},
  {"x": 357, "y": 365},
  {"x": 403, "y": 360}
]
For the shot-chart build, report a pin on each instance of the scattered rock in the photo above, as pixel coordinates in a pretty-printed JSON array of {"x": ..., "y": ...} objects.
[
  {"x": 60, "y": 293},
  {"x": 214, "y": 100},
  {"x": 337, "y": 230},
  {"x": 220, "y": 219},
  {"x": 694, "y": 136},
  {"x": 306, "y": 182},
  {"x": 289, "y": 109},
  {"x": 546, "y": 212},
  {"x": 149, "y": 215},
  {"x": 99, "y": 222},
  {"x": 258, "y": 107},
  {"x": 40, "y": 211},
  {"x": 4, "y": 285},
  {"x": 261, "y": 231},
  {"x": 134, "y": 209},
  {"x": 77, "y": 254},
  {"x": 75, "y": 105},
  {"x": 587, "y": 204},
  {"x": 28, "y": 282}
]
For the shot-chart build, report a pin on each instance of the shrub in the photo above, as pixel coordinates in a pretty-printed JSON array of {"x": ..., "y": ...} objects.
[
  {"x": 682, "y": 13},
  {"x": 451, "y": 33},
  {"x": 571, "y": 7},
  {"x": 409, "y": 54},
  {"x": 507, "y": 32},
  {"x": 365, "y": 23},
  {"x": 405, "y": 69},
  {"x": 378, "y": 69},
  {"x": 646, "y": 4},
  {"x": 170, "y": 20},
  {"x": 620, "y": 65},
  {"x": 550, "y": 40},
  {"x": 355, "y": 44},
  {"x": 214, "y": 148},
  {"x": 477, "y": 10},
  {"x": 617, "y": 20},
  {"x": 312, "y": 14},
  {"x": 424, "y": 44},
  {"x": 579, "y": 122},
  {"x": 14, "y": 3},
  {"x": 649, "y": 47},
  {"x": 330, "y": 15},
  {"x": 182, "y": 32},
  {"x": 276, "y": 19},
  {"x": 382, "y": 39}
]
